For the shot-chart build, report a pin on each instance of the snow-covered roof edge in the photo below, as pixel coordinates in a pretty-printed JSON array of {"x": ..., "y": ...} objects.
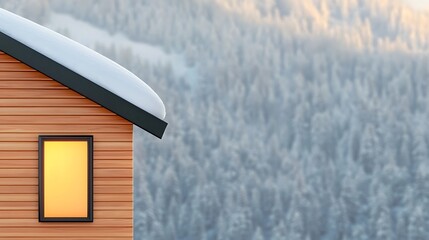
[{"x": 83, "y": 61}]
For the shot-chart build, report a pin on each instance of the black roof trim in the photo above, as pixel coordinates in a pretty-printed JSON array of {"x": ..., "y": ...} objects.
[{"x": 82, "y": 85}]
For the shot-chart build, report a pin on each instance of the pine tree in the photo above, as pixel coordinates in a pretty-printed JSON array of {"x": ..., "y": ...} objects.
[
  {"x": 157, "y": 231},
  {"x": 280, "y": 232},
  {"x": 196, "y": 226},
  {"x": 369, "y": 149},
  {"x": 384, "y": 226},
  {"x": 222, "y": 228},
  {"x": 183, "y": 225},
  {"x": 359, "y": 232},
  {"x": 258, "y": 234},
  {"x": 277, "y": 212},
  {"x": 170, "y": 230},
  {"x": 144, "y": 215},
  {"x": 419, "y": 153},
  {"x": 296, "y": 228},
  {"x": 417, "y": 227}
]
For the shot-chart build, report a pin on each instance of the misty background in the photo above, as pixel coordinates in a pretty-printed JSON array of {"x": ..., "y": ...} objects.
[{"x": 295, "y": 120}]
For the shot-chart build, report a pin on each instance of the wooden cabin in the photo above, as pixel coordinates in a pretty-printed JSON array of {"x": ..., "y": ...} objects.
[{"x": 66, "y": 136}]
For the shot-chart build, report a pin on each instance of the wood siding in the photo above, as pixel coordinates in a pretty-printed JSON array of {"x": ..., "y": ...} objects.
[{"x": 32, "y": 104}]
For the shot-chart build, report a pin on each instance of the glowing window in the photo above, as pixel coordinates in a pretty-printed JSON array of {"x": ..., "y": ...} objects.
[{"x": 65, "y": 178}]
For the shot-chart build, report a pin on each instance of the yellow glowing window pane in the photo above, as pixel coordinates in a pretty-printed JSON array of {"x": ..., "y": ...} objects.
[{"x": 65, "y": 179}]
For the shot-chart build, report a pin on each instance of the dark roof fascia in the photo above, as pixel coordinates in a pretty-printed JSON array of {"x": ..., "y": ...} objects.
[{"x": 82, "y": 85}]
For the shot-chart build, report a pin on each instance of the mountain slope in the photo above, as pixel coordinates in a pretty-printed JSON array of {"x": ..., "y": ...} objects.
[{"x": 308, "y": 119}]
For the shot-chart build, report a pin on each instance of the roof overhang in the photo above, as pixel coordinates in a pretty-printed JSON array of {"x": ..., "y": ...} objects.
[{"x": 82, "y": 85}]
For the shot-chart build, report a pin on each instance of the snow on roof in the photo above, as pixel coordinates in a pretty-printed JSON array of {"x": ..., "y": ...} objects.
[{"x": 84, "y": 61}]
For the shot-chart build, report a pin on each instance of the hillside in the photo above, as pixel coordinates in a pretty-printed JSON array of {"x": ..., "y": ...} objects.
[{"x": 294, "y": 120}]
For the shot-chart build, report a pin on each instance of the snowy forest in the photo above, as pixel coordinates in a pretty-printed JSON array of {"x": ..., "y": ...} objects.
[{"x": 294, "y": 120}]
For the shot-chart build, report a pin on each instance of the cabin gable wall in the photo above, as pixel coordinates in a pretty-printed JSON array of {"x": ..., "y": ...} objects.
[{"x": 32, "y": 104}]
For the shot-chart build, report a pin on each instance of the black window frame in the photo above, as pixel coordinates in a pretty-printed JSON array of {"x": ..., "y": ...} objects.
[{"x": 90, "y": 140}]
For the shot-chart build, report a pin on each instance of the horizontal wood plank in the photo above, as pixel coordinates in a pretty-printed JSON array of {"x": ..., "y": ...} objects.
[
  {"x": 33, "y": 137},
  {"x": 15, "y": 67},
  {"x": 115, "y": 164},
  {"x": 23, "y": 76},
  {"x": 111, "y": 223},
  {"x": 55, "y": 111},
  {"x": 125, "y": 181},
  {"x": 113, "y": 173},
  {"x": 37, "y": 102},
  {"x": 55, "y": 232},
  {"x": 18, "y": 189},
  {"x": 19, "y": 206},
  {"x": 106, "y": 205},
  {"x": 23, "y": 181},
  {"x": 123, "y": 197},
  {"x": 7, "y": 59},
  {"x": 18, "y": 197},
  {"x": 85, "y": 128},
  {"x": 38, "y": 93},
  {"x": 31, "y": 84},
  {"x": 66, "y": 120},
  {"x": 18, "y": 173}
]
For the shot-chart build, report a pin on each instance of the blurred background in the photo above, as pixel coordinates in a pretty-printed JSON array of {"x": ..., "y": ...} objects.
[{"x": 288, "y": 119}]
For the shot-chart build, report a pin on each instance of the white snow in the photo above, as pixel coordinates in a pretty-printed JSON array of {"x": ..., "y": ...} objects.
[
  {"x": 90, "y": 35},
  {"x": 84, "y": 61},
  {"x": 418, "y": 4}
]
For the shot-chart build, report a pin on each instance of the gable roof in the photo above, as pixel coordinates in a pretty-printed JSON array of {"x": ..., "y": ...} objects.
[{"x": 82, "y": 70}]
